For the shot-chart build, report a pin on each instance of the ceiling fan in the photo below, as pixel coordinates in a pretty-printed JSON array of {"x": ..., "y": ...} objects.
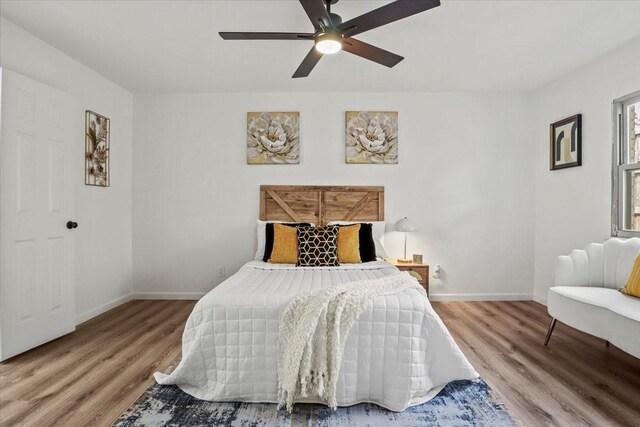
[{"x": 332, "y": 35}]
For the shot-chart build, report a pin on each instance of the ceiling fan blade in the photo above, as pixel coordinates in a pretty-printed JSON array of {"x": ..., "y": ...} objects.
[
  {"x": 370, "y": 52},
  {"x": 265, "y": 36},
  {"x": 317, "y": 12},
  {"x": 308, "y": 63},
  {"x": 386, "y": 14}
]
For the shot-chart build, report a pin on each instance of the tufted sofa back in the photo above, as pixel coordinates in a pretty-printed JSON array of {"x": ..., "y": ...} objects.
[{"x": 605, "y": 264}]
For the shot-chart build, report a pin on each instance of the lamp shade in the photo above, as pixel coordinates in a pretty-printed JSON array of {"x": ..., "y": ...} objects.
[{"x": 404, "y": 225}]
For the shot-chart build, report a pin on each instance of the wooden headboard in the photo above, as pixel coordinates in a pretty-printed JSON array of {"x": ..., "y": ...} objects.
[{"x": 320, "y": 204}]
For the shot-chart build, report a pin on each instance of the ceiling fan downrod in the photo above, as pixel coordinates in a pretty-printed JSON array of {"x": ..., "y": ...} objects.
[{"x": 334, "y": 17}]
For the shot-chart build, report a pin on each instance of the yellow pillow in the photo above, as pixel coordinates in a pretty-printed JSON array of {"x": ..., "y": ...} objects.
[
  {"x": 349, "y": 244},
  {"x": 285, "y": 245},
  {"x": 633, "y": 282}
]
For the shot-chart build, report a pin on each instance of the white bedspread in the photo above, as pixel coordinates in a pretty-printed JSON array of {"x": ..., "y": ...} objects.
[{"x": 398, "y": 352}]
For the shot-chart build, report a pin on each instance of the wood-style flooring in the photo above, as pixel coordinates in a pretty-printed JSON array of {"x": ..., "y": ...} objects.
[
  {"x": 89, "y": 377},
  {"x": 575, "y": 381}
]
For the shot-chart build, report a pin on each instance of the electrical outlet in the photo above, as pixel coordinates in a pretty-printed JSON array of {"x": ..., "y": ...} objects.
[
  {"x": 221, "y": 272},
  {"x": 436, "y": 271}
]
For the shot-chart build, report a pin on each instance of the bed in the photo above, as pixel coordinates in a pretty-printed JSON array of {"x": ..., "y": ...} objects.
[{"x": 397, "y": 354}]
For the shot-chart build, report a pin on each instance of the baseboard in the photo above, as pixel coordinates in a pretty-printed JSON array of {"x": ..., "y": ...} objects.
[
  {"x": 169, "y": 295},
  {"x": 480, "y": 297},
  {"x": 81, "y": 318},
  {"x": 539, "y": 299},
  {"x": 88, "y": 315}
]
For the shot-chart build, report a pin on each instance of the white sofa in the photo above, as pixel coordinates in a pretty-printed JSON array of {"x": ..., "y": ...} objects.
[{"x": 586, "y": 296}]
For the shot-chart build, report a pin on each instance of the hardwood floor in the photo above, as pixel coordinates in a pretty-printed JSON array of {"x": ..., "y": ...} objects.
[
  {"x": 575, "y": 381},
  {"x": 89, "y": 377}
]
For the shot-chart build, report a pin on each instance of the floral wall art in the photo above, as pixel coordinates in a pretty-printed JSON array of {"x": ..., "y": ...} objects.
[
  {"x": 372, "y": 137},
  {"x": 97, "y": 146},
  {"x": 273, "y": 138}
]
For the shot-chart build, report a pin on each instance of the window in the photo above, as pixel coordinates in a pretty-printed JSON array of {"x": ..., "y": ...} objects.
[{"x": 625, "y": 217}]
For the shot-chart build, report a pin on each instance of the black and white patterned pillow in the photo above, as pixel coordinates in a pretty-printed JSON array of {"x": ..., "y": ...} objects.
[{"x": 318, "y": 247}]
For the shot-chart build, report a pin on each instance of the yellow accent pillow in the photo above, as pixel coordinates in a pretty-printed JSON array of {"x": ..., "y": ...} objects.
[
  {"x": 633, "y": 282},
  {"x": 285, "y": 245},
  {"x": 349, "y": 244}
]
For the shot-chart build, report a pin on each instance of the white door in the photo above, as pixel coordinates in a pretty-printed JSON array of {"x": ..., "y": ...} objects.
[{"x": 36, "y": 201}]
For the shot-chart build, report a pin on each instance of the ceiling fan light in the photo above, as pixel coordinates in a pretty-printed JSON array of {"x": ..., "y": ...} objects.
[
  {"x": 328, "y": 46},
  {"x": 328, "y": 43}
]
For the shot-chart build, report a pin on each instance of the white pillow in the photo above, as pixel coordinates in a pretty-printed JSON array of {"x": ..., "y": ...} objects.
[
  {"x": 261, "y": 234},
  {"x": 378, "y": 234}
]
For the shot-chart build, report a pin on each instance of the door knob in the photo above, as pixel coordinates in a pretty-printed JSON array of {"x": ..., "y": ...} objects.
[{"x": 72, "y": 224}]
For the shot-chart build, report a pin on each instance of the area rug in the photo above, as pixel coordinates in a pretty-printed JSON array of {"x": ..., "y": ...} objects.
[{"x": 460, "y": 403}]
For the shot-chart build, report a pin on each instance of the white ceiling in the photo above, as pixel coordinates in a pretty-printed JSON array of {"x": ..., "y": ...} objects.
[{"x": 173, "y": 46}]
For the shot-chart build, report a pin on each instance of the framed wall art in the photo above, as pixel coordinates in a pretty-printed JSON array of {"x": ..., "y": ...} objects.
[
  {"x": 371, "y": 137},
  {"x": 273, "y": 138},
  {"x": 97, "y": 145},
  {"x": 565, "y": 143}
]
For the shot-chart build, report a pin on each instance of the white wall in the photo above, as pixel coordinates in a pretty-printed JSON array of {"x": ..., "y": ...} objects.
[
  {"x": 465, "y": 177},
  {"x": 103, "y": 238},
  {"x": 572, "y": 205}
]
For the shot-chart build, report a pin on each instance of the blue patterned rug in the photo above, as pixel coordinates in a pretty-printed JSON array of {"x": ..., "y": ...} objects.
[{"x": 460, "y": 403}]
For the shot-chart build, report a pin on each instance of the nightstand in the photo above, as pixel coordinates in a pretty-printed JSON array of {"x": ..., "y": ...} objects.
[{"x": 421, "y": 269}]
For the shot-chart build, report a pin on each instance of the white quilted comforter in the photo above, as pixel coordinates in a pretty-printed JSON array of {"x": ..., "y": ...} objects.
[{"x": 398, "y": 352}]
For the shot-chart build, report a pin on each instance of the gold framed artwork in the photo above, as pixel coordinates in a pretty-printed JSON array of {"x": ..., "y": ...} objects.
[
  {"x": 371, "y": 137},
  {"x": 97, "y": 146},
  {"x": 565, "y": 143},
  {"x": 417, "y": 258},
  {"x": 273, "y": 138}
]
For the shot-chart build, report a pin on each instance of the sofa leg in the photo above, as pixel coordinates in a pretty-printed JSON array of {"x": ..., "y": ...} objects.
[
  {"x": 607, "y": 343},
  {"x": 551, "y": 326}
]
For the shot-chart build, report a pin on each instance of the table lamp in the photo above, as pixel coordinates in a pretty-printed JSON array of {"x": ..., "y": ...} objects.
[{"x": 404, "y": 225}]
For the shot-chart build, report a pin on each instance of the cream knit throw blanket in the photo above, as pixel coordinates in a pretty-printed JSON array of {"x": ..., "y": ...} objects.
[{"x": 313, "y": 332}]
